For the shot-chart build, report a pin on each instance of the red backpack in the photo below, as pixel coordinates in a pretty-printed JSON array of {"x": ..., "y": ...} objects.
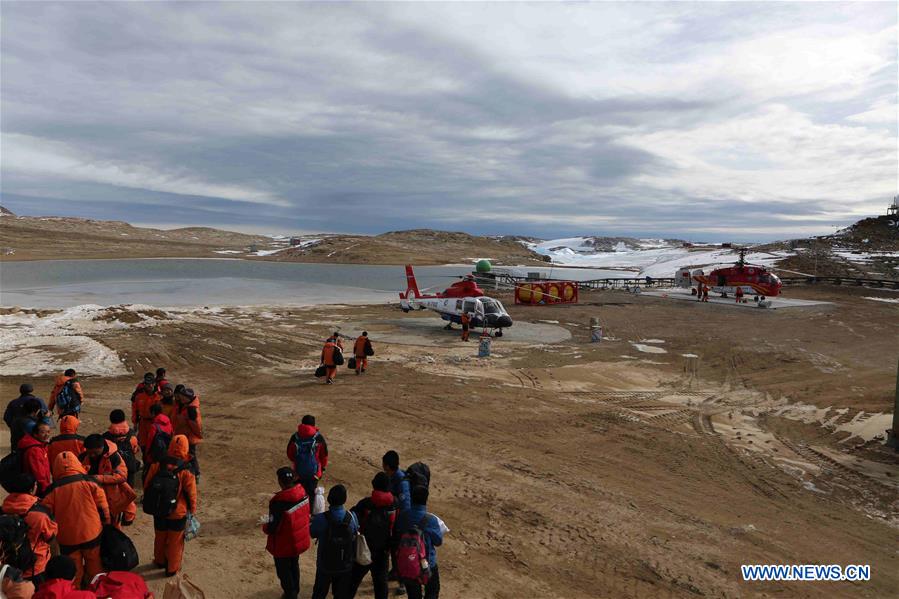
[
  {"x": 120, "y": 585},
  {"x": 412, "y": 555}
]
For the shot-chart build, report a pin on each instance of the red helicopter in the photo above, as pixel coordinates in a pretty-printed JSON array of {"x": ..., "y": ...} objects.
[
  {"x": 462, "y": 297},
  {"x": 754, "y": 280}
]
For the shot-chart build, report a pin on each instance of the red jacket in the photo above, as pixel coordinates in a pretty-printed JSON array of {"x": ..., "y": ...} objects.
[
  {"x": 288, "y": 528},
  {"x": 35, "y": 461},
  {"x": 162, "y": 423},
  {"x": 378, "y": 499},
  {"x": 57, "y": 588},
  {"x": 304, "y": 431}
]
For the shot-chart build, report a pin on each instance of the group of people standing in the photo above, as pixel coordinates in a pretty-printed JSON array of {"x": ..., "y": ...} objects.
[
  {"x": 68, "y": 488},
  {"x": 391, "y": 525}
]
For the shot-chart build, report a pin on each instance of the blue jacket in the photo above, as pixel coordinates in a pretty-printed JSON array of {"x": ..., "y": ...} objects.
[
  {"x": 432, "y": 534},
  {"x": 15, "y": 406},
  {"x": 399, "y": 486},
  {"x": 318, "y": 529}
]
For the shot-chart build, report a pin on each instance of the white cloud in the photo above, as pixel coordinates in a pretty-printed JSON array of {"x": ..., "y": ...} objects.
[{"x": 28, "y": 155}]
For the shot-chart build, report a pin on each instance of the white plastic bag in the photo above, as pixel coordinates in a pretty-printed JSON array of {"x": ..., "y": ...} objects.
[
  {"x": 191, "y": 528},
  {"x": 318, "y": 502},
  {"x": 363, "y": 554},
  {"x": 443, "y": 527}
]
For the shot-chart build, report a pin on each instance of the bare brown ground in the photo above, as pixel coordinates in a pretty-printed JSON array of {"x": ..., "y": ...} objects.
[{"x": 566, "y": 470}]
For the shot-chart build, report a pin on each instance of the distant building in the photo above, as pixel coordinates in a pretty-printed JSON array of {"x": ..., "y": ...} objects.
[
  {"x": 295, "y": 241},
  {"x": 727, "y": 245},
  {"x": 893, "y": 210}
]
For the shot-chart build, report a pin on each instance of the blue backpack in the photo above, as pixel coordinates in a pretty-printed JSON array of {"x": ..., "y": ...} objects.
[
  {"x": 306, "y": 460},
  {"x": 68, "y": 400}
]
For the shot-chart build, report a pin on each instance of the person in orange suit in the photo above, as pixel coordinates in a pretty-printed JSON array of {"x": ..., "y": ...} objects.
[
  {"x": 336, "y": 339},
  {"x": 738, "y": 294},
  {"x": 360, "y": 350},
  {"x": 23, "y": 501},
  {"x": 167, "y": 400},
  {"x": 466, "y": 324},
  {"x": 79, "y": 505},
  {"x": 188, "y": 421},
  {"x": 102, "y": 461},
  {"x": 123, "y": 436},
  {"x": 329, "y": 359},
  {"x": 143, "y": 398},
  {"x": 68, "y": 377},
  {"x": 705, "y": 293},
  {"x": 67, "y": 440},
  {"x": 168, "y": 546},
  {"x": 33, "y": 451}
]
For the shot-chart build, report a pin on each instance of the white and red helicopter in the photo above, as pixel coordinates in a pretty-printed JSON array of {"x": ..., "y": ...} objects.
[{"x": 462, "y": 297}]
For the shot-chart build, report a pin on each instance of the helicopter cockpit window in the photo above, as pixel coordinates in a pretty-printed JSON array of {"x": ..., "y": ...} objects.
[
  {"x": 468, "y": 306},
  {"x": 458, "y": 304},
  {"x": 491, "y": 306}
]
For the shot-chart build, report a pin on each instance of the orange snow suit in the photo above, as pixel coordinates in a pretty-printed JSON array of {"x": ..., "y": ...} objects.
[
  {"x": 41, "y": 528},
  {"x": 80, "y": 508},
  {"x": 111, "y": 472},
  {"x": 140, "y": 412},
  {"x": 67, "y": 440},
  {"x": 168, "y": 546}
]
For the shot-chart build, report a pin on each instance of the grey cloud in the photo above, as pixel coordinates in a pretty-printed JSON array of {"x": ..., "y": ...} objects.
[{"x": 358, "y": 120}]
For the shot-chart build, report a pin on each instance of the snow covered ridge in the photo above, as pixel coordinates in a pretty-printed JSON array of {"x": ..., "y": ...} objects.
[
  {"x": 646, "y": 257},
  {"x": 32, "y": 344}
]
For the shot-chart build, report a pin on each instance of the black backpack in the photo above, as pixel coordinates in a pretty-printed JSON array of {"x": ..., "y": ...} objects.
[
  {"x": 14, "y": 542},
  {"x": 339, "y": 551},
  {"x": 369, "y": 350},
  {"x": 377, "y": 528},
  {"x": 125, "y": 450},
  {"x": 160, "y": 446},
  {"x": 117, "y": 551},
  {"x": 10, "y": 466},
  {"x": 161, "y": 496},
  {"x": 418, "y": 475},
  {"x": 338, "y": 356}
]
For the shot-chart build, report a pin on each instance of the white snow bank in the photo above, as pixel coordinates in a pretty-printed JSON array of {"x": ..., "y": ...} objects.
[
  {"x": 649, "y": 349},
  {"x": 654, "y": 258},
  {"x": 33, "y": 345},
  {"x": 228, "y": 251}
]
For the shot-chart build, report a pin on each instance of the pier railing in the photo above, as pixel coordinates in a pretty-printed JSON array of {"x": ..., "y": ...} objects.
[{"x": 631, "y": 282}]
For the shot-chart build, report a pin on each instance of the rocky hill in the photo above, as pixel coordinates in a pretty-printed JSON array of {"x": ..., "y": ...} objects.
[
  {"x": 418, "y": 246},
  {"x": 47, "y": 238},
  {"x": 868, "y": 248}
]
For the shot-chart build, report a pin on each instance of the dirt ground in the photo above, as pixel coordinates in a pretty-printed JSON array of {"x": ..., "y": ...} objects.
[{"x": 567, "y": 469}]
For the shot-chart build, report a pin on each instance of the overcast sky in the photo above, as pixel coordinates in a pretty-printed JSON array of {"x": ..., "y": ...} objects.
[{"x": 699, "y": 120}]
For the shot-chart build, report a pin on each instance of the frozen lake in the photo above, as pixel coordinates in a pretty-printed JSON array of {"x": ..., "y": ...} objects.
[{"x": 192, "y": 282}]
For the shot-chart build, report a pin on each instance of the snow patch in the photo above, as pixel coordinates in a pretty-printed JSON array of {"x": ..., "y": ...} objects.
[
  {"x": 649, "y": 349},
  {"x": 889, "y": 300},
  {"x": 32, "y": 345}
]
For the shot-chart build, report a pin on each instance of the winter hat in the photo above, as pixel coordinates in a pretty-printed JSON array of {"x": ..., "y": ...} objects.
[
  {"x": 94, "y": 441},
  {"x": 286, "y": 475},
  {"x": 337, "y": 495},
  {"x": 381, "y": 482},
  {"x": 26, "y": 389}
]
